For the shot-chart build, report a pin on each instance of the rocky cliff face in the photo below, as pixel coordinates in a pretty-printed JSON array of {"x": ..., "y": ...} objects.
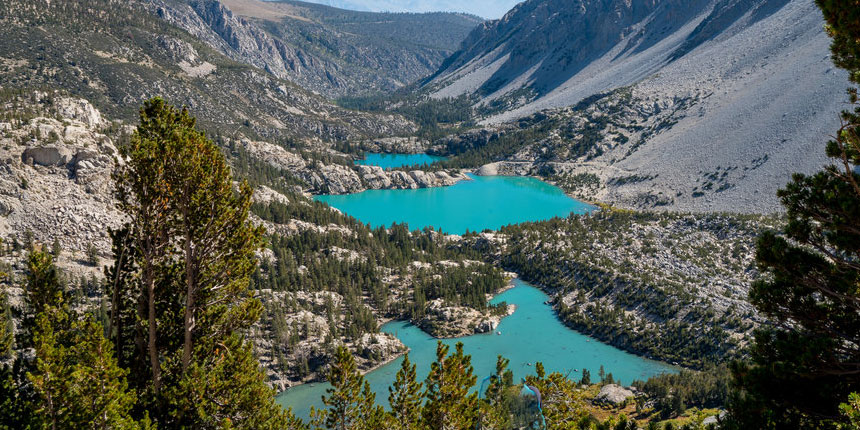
[
  {"x": 332, "y": 51},
  {"x": 545, "y": 46}
]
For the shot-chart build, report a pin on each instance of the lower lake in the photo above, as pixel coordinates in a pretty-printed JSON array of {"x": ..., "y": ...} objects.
[
  {"x": 390, "y": 161},
  {"x": 533, "y": 333},
  {"x": 484, "y": 202}
]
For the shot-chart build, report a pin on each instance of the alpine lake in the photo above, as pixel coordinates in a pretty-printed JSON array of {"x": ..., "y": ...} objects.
[{"x": 533, "y": 333}]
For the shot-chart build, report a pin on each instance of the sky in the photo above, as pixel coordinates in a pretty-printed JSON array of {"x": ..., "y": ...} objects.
[{"x": 490, "y": 9}]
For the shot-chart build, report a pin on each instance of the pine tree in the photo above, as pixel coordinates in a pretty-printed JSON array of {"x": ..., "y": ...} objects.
[
  {"x": 499, "y": 380},
  {"x": 449, "y": 405},
  {"x": 142, "y": 189},
  {"x": 97, "y": 384},
  {"x": 539, "y": 370},
  {"x": 851, "y": 411},
  {"x": 808, "y": 360},
  {"x": 405, "y": 398},
  {"x": 222, "y": 389},
  {"x": 7, "y": 328},
  {"x": 495, "y": 413},
  {"x": 180, "y": 284},
  {"x": 75, "y": 376},
  {"x": 44, "y": 289},
  {"x": 52, "y": 370},
  {"x": 350, "y": 401},
  {"x": 586, "y": 377},
  {"x": 44, "y": 293},
  {"x": 561, "y": 402},
  {"x": 16, "y": 410}
]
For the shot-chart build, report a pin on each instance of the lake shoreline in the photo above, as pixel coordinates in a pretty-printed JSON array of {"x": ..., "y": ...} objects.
[
  {"x": 534, "y": 333},
  {"x": 581, "y": 330},
  {"x": 511, "y": 309}
]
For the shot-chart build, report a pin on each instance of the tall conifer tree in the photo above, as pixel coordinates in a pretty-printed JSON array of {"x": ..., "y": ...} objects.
[
  {"x": 350, "y": 402},
  {"x": 807, "y": 360},
  {"x": 405, "y": 398},
  {"x": 449, "y": 405},
  {"x": 181, "y": 279}
]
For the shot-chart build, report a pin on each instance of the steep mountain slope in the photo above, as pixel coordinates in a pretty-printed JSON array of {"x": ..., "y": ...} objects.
[
  {"x": 115, "y": 54},
  {"x": 739, "y": 85},
  {"x": 332, "y": 51}
]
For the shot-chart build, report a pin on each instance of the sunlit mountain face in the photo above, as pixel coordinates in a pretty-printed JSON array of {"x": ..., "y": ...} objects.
[{"x": 490, "y": 9}]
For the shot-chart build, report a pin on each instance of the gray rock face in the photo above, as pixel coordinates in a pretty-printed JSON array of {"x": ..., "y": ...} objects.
[
  {"x": 613, "y": 395},
  {"x": 60, "y": 190},
  {"x": 51, "y": 155},
  {"x": 542, "y": 44},
  {"x": 79, "y": 110},
  {"x": 377, "y": 178},
  {"x": 402, "y": 145}
]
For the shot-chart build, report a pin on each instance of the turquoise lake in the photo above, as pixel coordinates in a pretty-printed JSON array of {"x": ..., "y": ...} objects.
[
  {"x": 533, "y": 333},
  {"x": 389, "y": 161},
  {"x": 485, "y": 202}
]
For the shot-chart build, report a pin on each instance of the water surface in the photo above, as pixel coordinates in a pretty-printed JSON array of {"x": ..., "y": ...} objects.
[
  {"x": 533, "y": 333},
  {"x": 389, "y": 161},
  {"x": 485, "y": 202}
]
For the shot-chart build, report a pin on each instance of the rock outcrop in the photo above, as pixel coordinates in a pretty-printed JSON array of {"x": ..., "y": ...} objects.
[
  {"x": 446, "y": 321},
  {"x": 55, "y": 183},
  {"x": 613, "y": 395},
  {"x": 289, "y": 363},
  {"x": 399, "y": 145},
  {"x": 341, "y": 179},
  {"x": 377, "y": 178}
]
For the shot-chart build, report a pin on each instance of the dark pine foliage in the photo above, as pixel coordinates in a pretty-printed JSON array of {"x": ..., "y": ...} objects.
[{"x": 807, "y": 361}]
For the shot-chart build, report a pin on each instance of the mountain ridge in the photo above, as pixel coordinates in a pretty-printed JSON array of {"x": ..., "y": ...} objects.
[{"x": 331, "y": 51}]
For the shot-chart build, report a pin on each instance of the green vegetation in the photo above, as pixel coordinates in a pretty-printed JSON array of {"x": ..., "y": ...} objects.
[
  {"x": 574, "y": 133},
  {"x": 805, "y": 363},
  {"x": 436, "y": 118},
  {"x": 624, "y": 278},
  {"x": 171, "y": 344},
  {"x": 357, "y": 263},
  {"x": 449, "y": 402},
  {"x": 173, "y": 353},
  {"x": 673, "y": 394}
]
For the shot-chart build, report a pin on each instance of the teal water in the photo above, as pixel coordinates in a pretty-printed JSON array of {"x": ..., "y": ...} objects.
[
  {"x": 389, "y": 161},
  {"x": 485, "y": 202},
  {"x": 533, "y": 333}
]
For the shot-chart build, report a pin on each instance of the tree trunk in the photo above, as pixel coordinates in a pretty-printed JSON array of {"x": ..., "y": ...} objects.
[
  {"x": 190, "y": 290},
  {"x": 151, "y": 323},
  {"x": 115, "y": 329}
]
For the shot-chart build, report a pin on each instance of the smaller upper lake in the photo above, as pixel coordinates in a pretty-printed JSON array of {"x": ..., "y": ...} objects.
[
  {"x": 484, "y": 202},
  {"x": 390, "y": 161}
]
